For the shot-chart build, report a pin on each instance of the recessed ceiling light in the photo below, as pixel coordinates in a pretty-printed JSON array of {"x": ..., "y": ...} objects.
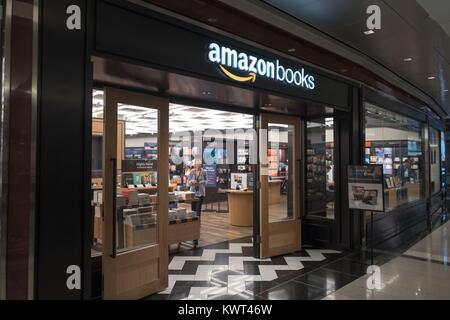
[
  {"x": 431, "y": 78},
  {"x": 292, "y": 50},
  {"x": 368, "y": 32},
  {"x": 212, "y": 20},
  {"x": 407, "y": 59},
  {"x": 206, "y": 93},
  {"x": 445, "y": 90}
]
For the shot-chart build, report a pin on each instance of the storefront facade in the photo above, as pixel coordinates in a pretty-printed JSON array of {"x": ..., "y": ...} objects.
[{"x": 141, "y": 55}]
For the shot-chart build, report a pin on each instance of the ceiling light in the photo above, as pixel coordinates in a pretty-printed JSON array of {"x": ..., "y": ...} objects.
[
  {"x": 212, "y": 20},
  {"x": 206, "y": 93},
  {"x": 292, "y": 50},
  {"x": 445, "y": 90},
  {"x": 368, "y": 32},
  {"x": 407, "y": 59},
  {"x": 431, "y": 78}
]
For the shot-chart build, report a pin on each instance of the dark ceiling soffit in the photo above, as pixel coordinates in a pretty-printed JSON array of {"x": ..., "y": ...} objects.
[
  {"x": 381, "y": 99},
  {"x": 268, "y": 35},
  {"x": 374, "y": 69}
]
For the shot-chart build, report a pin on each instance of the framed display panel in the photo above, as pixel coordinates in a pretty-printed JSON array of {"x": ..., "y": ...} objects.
[{"x": 366, "y": 187}]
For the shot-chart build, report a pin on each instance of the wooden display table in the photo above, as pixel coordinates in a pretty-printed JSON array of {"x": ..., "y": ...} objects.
[
  {"x": 143, "y": 235},
  {"x": 275, "y": 191},
  {"x": 395, "y": 197},
  {"x": 413, "y": 191},
  {"x": 240, "y": 207},
  {"x": 178, "y": 231},
  {"x": 183, "y": 230},
  {"x": 149, "y": 190}
]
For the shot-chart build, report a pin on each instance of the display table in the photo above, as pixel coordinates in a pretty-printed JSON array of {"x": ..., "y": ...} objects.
[
  {"x": 240, "y": 207},
  {"x": 395, "y": 197},
  {"x": 148, "y": 190},
  {"x": 178, "y": 231},
  {"x": 413, "y": 191},
  {"x": 139, "y": 236},
  {"x": 183, "y": 230},
  {"x": 275, "y": 191}
]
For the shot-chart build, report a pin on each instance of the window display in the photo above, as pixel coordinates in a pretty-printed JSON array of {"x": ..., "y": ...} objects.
[
  {"x": 320, "y": 168},
  {"x": 435, "y": 161},
  {"x": 395, "y": 141}
]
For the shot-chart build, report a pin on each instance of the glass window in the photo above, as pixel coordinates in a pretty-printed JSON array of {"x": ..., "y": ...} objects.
[
  {"x": 435, "y": 161},
  {"x": 280, "y": 157},
  {"x": 320, "y": 168},
  {"x": 443, "y": 161},
  {"x": 395, "y": 142}
]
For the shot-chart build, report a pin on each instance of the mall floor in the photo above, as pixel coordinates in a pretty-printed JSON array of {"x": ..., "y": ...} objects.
[
  {"x": 228, "y": 271},
  {"x": 422, "y": 272}
]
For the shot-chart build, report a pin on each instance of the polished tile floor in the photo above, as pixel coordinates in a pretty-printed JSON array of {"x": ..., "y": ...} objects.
[
  {"x": 421, "y": 272},
  {"x": 228, "y": 271}
]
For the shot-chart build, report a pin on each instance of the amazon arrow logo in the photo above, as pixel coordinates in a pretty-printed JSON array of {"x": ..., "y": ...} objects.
[
  {"x": 228, "y": 58},
  {"x": 251, "y": 76}
]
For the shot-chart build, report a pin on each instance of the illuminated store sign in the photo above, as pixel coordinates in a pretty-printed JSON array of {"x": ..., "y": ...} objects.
[{"x": 250, "y": 67}]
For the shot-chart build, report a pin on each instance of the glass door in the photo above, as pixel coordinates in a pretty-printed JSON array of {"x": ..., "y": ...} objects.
[
  {"x": 280, "y": 186},
  {"x": 135, "y": 195}
]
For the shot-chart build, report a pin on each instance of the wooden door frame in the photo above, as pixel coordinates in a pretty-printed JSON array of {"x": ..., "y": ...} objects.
[
  {"x": 111, "y": 261},
  {"x": 266, "y": 228}
]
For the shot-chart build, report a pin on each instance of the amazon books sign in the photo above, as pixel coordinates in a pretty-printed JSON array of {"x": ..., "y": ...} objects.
[
  {"x": 180, "y": 49},
  {"x": 243, "y": 67}
]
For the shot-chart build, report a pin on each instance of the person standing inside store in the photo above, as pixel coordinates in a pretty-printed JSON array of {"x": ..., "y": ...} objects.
[
  {"x": 406, "y": 173},
  {"x": 197, "y": 181}
]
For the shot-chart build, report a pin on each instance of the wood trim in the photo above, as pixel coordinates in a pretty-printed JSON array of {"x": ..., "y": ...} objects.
[
  {"x": 163, "y": 186},
  {"x": 110, "y": 152},
  {"x": 97, "y": 130}
]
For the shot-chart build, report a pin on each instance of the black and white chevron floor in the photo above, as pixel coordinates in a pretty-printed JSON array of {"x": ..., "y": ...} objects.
[{"x": 229, "y": 271}]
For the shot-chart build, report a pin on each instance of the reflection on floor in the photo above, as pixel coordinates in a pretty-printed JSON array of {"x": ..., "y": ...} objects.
[
  {"x": 229, "y": 271},
  {"x": 421, "y": 272}
]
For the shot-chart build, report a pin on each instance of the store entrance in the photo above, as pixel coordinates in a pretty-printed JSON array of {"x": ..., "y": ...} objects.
[
  {"x": 215, "y": 128},
  {"x": 151, "y": 204}
]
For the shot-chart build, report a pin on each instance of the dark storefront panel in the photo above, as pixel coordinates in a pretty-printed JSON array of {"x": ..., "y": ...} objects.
[
  {"x": 185, "y": 89},
  {"x": 172, "y": 46},
  {"x": 394, "y": 230},
  {"x": 63, "y": 150}
]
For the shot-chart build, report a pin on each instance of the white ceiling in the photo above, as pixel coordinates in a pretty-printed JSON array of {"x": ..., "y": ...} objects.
[{"x": 142, "y": 120}]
